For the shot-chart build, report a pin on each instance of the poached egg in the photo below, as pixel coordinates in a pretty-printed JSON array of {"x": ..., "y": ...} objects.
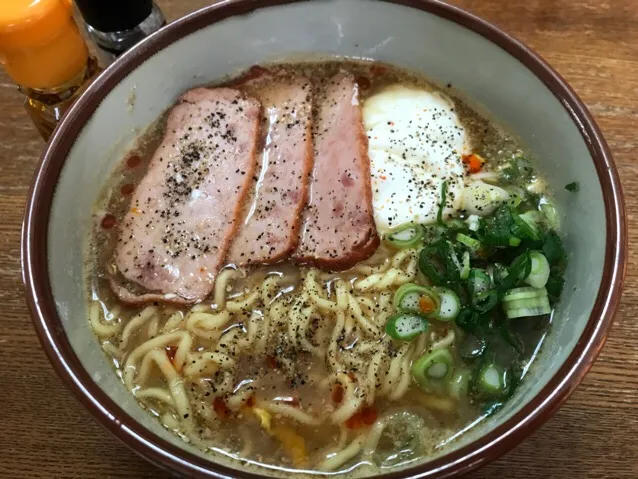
[{"x": 415, "y": 143}]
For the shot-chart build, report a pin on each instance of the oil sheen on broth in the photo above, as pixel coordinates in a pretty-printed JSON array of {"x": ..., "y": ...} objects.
[{"x": 293, "y": 367}]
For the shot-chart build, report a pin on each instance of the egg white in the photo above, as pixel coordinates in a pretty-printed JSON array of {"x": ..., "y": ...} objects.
[{"x": 415, "y": 143}]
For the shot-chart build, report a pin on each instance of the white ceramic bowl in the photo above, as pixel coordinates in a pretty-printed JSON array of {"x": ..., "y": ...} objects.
[{"x": 446, "y": 44}]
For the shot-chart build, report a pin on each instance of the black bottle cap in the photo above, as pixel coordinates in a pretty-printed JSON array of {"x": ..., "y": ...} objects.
[{"x": 114, "y": 15}]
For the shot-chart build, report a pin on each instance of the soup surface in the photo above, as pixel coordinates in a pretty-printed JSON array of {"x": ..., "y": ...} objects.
[{"x": 420, "y": 317}]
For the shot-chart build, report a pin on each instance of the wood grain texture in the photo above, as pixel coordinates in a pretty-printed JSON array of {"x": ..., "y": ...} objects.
[{"x": 45, "y": 433}]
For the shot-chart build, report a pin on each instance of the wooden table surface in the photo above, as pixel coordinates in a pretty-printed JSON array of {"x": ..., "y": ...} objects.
[{"x": 45, "y": 433}]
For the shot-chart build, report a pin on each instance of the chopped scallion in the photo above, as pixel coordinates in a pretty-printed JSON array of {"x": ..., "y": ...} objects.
[
  {"x": 406, "y": 235},
  {"x": 485, "y": 301},
  {"x": 573, "y": 187},
  {"x": 439, "y": 214},
  {"x": 539, "y": 272},
  {"x": 465, "y": 268},
  {"x": 550, "y": 215},
  {"x": 467, "y": 319},
  {"x": 526, "y": 226},
  {"x": 409, "y": 298},
  {"x": 519, "y": 270},
  {"x": 468, "y": 241},
  {"x": 493, "y": 381},
  {"x": 517, "y": 294},
  {"x": 526, "y": 302},
  {"x": 478, "y": 281},
  {"x": 435, "y": 367},
  {"x": 439, "y": 263},
  {"x": 517, "y": 196},
  {"x": 450, "y": 304},
  {"x": 406, "y": 326},
  {"x": 528, "y": 308}
]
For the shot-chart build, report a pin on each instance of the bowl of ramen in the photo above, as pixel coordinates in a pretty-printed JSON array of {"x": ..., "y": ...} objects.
[{"x": 284, "y": 239}]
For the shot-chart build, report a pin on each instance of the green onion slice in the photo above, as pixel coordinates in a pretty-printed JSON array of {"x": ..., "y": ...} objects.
[
  {"x": 517, "y": 195},
  {"x": 439, "y": 262},
  {"x": 449, "y": 304},
  {"x": 527, "y": 308},
  {"x": 526, "y": 226},
  {"x": 406, "y": 326},
  {"x": 539, "y": 272},
  {"x": 439, "y": 214},
  {"x": 405, "y": 236},
  {"x": 519, "y": 270},
  {"x": 527, "y": 292},
  {"x": 549, "y": 212},
  {"x": 435, "y": 367},
  {"x": 573, "y": 187},
  {"x": 468, "y": 241},
  {"x": 485, "y": 301},
  {"x": 493, "y": 381},
  {"x": 514, "y": 241},
  {"x": 478, "y": 281},
  {"x": 465, "y": 268},
  {"x": 407, "y": 298},
  {"x": 526, "y": 302}
]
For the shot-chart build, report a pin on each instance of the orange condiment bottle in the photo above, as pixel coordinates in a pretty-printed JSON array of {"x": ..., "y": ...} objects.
[{"x": 42, "y": 50}]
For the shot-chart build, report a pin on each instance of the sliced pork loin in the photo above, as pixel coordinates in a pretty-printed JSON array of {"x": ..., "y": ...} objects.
[
  {"x": 270, "y": 231},
  {"x": 338, "y": 226},
  {"x": 185, "y": 211}
]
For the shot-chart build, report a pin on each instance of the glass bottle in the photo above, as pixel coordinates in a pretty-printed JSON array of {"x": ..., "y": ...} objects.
[
  {"x": 43, "y": 51},
  {"x": 117, "y": 25}
]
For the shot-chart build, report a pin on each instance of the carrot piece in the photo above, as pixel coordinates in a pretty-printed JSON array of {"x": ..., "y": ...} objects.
[
  {"x": 473, "y": 162},
  {"x": 426, "y": 304}
]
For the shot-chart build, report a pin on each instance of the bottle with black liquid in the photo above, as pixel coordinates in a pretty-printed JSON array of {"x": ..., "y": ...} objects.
[{"x": 117, "y": 25}]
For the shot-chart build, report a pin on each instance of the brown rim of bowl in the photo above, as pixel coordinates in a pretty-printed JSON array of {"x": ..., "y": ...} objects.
[{"x": 161, "y": 452}]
